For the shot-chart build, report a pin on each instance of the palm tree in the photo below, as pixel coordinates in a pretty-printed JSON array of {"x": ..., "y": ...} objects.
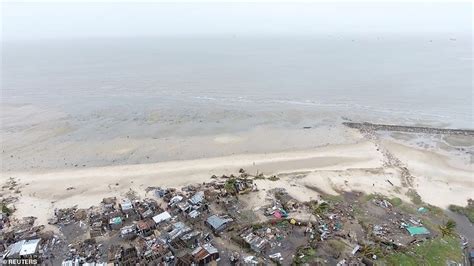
[
  {"x": 229, "y": 186},
  {"x": 369, "y": 251},
  {"x": 448, "y": 228}
]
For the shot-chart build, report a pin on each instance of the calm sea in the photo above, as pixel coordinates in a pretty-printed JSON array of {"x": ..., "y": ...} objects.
[{"x": 392, "y": 77}]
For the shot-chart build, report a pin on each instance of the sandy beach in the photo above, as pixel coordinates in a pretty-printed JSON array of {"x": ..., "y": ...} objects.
[
  {"x": 75, "y": 133},
  {"x": 439, "y": 179},
  {"x": 251, "y": 133}
]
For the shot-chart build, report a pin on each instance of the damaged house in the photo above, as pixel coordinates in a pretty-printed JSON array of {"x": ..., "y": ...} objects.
[
  {"x": 255, "y": 242},
  {"x": 201, "y": 255},
  {"x": 218, "y": 224},
  {"x": 23, "y": 249},
  {"x": 162, "y": 217},
  {"x": 145, "y": 227}
]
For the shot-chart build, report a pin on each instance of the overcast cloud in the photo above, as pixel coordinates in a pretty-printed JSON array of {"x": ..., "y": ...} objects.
[{"x": 78, "y": 20}]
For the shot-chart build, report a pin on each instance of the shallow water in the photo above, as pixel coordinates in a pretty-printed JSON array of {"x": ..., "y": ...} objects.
[{"x": 392, "y": 79}]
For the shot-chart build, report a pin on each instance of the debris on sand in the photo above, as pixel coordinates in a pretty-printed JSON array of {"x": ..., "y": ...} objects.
[{"x": 209, "y": 222}]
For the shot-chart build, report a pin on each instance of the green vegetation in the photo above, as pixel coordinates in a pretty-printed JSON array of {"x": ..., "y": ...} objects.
[
  {"x": 319, "y": 208},
  {"x": 304, "y": 255},
  {"x": 414, "y": 196},
  {"x": 257, "y": 226},
  {"x": 395, "y": 201},
  {"x": 448, "y": 228},
  {"x": 6, "y": 210},
  {"x": 434, "y": 210},
  {"x": 369, "y": 197},
  {"x": 431, "y": 226},
  {"x": 284, "y": 223},
  {"x": 430, "y": 252},
  {"x": 468, "y": 211},
  {"x": 229, "y": 186},
  {"x": 337, "y": 246},
  {"x": 370, "y": 250},
  {"x": 332, "y": 198},
  {"x": 408, "y": 208}
]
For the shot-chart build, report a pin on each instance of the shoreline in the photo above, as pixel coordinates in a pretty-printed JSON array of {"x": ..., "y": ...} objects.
[
  {"x": 409, "y": 129},
  {"x": 333, "y": 168},
  {"x": 357, "y": 170}
]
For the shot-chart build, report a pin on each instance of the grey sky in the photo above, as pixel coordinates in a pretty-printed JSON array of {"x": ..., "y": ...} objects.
[{"x": 72, "y": 20}]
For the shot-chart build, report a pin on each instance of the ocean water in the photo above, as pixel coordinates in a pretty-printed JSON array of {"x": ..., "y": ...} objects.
[{"x": 143, "y": 82}]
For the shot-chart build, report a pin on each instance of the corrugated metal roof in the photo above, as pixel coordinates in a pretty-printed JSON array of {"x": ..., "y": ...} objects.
[
  {"x": 200, "y": 253},
  {"x": 183, "y": 206},
  {"x": 179, "y": 225},
  {"x": 145, "y": 224},
  {"x": 15, "y": 248},
  {"x": 216, "y": 222},
  {"x": 194, "y": 214},
  {"x": 255, "y": 242},
  {"x": 29, "y": 247},
  {"x": 210, "y": 248},
  {"x": 127, "y": 229},
  {"x": 179, "y": 229},
  {"x": 147, "y": 213},
  {"x": 197, "y": 198},
  {"x": 175, "y": 199},
  {"x": 126, "y": 205},
  {"x": 161, "y": 217},
  {"x": 188, "y": 236}
]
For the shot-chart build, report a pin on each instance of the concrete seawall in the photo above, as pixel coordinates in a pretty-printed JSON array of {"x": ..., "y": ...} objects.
[{"x": 410, "y": 129}]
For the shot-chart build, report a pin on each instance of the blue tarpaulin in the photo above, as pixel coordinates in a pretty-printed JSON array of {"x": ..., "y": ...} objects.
[{"x": 418, "y": 230}]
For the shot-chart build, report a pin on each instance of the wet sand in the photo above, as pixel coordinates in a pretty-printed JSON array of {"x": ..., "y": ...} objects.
[{"x": 106, "y": 153}]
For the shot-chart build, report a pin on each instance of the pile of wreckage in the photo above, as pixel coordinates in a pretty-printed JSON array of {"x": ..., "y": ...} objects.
[
  {"x": 23, "y": 240},
  {"x": 83, "y": 252},
  {"x": 179, "y": 227},
  {"x": 399, "y": 229},
  {"x": 274, "y": 239},
  {"x": 282, "y": 204},
  {"x": 145, "y": 231}
]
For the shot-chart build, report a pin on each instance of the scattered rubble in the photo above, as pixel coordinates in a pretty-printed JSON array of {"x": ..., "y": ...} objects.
[{"x": 201, "y": 223}]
